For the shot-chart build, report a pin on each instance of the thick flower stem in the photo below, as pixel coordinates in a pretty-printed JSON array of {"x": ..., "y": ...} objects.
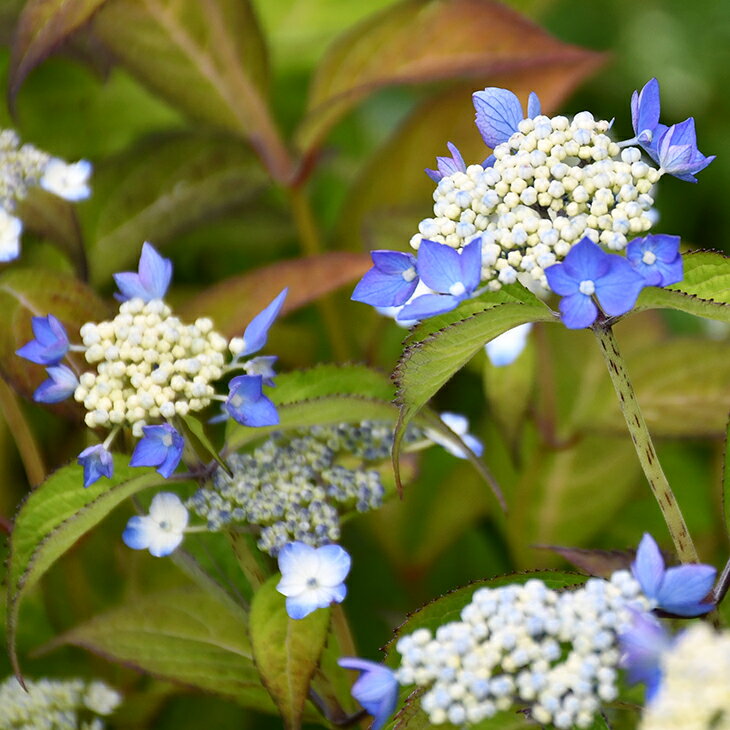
[{"x": 643, "y": 444}]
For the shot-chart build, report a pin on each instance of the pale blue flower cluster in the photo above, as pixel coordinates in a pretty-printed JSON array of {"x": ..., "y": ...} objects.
[
  {"x": 150, "y": 369},
  {"x": 541, "y": 210}
]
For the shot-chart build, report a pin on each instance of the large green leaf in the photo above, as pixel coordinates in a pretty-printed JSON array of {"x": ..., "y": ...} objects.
[
  {"x": 42, "y": 27},
  {"x": 207, "y": 58},
  {"x": 683, "y": 387},
  {"x": 54, "y": 516},
  {"x": 234, "y": 302},
  {"x": 433, "y": 357},
  {"x": 286, "y": 651},
  {"x": 704, "y": 290},
  {"x": 162, "y": 187},
  {"x": 418, "y": 41},
  {"x": 26, "y": 293},
  {"x": 186, "y": 636}
]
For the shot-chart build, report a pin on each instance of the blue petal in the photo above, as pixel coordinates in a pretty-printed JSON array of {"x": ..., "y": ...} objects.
[
  {"x": 58, "y": 387},
  {"x": 376, "y": 689},
  {"x": 642, "y": 647},
  {"x": 683, "y": 589},
  {"x": 261, "y": 413},
  {"x": 560, "y": 281},
  {"x": 137, "y": 533},
  {"x": 248, "y": 405},
  {"x": 97, "y": 463},
  {"x": 383, "y": 290},
  {"x": 619, "y": 288},
  {"x": 586, "y": 260},
  {"x": 393, "y": 262},
  {"x": 427, "y": 305},
  {"x": 254, "y": 337},
  {"x": 155, "y": 272},
  {"x": 533, "y": 105},
  {"x": 578, "y": 311},
  {"x": 645, "y": 109},
  {"x": 298, "y": 607},
  {"x": 439, "y": 266},
  {"x": 471, "y": 265},
  {"x": 498, "y": 113},
  {"x": 130, "y": 286},
  {"x": 473, "y": 443},
  {"x": 50, "y": 343},
  {"x": 648, "y": 568}
]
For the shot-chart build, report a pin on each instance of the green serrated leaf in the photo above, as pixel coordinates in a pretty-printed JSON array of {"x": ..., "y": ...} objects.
[
  {"x": 161, "y": 187},
  {"x": 185, "y": 636},
  {"x": 449, "y": 606},
  {"x": 55, "y": 515},
  {"x": 286, "y": 651},
  {"x": 704, "y": 291},
  {"x": 42, "y": 27},
  {"x": 26, "y": 293}
]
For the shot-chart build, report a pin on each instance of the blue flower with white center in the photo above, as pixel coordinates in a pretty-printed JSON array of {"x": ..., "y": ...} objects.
[
  {"x": 447, "y": 165},
  {"x": 642, "y": 646},
  {"x": 679, "y": 590},
  {"x": 160, "y": 531},
  {"x": 312, "y": 578},
  {"x": 455, "y": 276},
  {"x": 255, "y": 335},
  {"x": 657, "y": 259},
  {"x": 161, "y": 447},
  {"x": 589, "y": 271},
  {"x": 151, "y": 280},
  {"x": 390, "y": 282},
  {"x": 263, "y": 366},
  {"x": 247, "y": 403},
  {"x": 97, "y": 463},
  {"x": 499, "y": 113},
  {"x": 645, "y": 109},
  {"x": 50, "y": 344},
  {"x": 677, "y": 151},
  {"x": 507, "y": 347},
  {"x": 459, "y": 424},
  {"x": 376, "y": 689},
  {"x": 60, "y": 385},
  {"x": 69, "y": 181}
]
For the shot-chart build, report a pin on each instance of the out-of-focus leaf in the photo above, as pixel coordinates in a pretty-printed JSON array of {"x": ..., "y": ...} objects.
[
  {"x": 417, "y": 41},
  {"x": 43, "y": 26},
  {"x": 392, "y": 192},
  {"x": 55, "y": 219},
  {"x": 207, "y": 58},
  {"x": 704, "y": 291},
  {"x": 601, "y": 563},
  {"x": 565, "y": 497},
  {"x": 726, "y": 481},
  {"x": 163, "y": 187},
  {"x": 185, "y": 636},
  {"x": 286, "y": 651},
  {"x": 682, "y": 385},
  {"x": 38, "y": 292},
  {"x": 55, "y": 515},
  {"x": 234, "y": 302},
  {"x": 449, "y": 606},
  {"x": 427, "y": 364}
]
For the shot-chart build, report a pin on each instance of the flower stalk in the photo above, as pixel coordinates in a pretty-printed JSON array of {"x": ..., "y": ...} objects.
[{"x": 643, "y": 443}]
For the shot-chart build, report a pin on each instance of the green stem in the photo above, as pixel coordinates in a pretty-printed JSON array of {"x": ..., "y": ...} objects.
[
  {"x": 341, "y": 627},
  {"x": 250, "y": 566},
  {"x": 643, "y": 444},
  {"x": 311, "y": 243},
  {"x": 27, "y": 447}
]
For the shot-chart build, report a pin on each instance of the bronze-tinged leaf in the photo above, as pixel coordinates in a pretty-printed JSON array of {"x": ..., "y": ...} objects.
[
  {"x": 43, "y": 26},
  {"x": 206, "y": 57},
  {"x": 601, "y": 563},
  {"x": 392, "y": 193},
  {"x": 26, "y": 293},
  {"x": 234, "y": 302},
  {"x": 418, "y": 41}
]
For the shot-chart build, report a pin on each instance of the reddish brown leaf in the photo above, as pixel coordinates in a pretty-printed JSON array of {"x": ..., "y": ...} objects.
[
  {"x": 601, "y": 563},
  {"x": 234, "y": 302},
  {"x": 418, "y": 41},
  {"x": 43, "y": 26}
]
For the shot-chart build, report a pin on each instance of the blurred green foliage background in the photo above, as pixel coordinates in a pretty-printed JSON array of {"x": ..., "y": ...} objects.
[{"x": 557, "y": 446}]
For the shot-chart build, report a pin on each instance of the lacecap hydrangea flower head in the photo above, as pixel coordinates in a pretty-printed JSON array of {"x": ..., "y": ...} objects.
[
  {"x": 148, "y": 369},
  {"x": 23, "y": 167},
  {"x": 552, "y": 185}
]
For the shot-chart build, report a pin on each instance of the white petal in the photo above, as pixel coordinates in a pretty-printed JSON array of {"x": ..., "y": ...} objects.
[
  {"x": 456, "y": 422},
  {"x": 167, "y": 507},
  {"x": 10, "y": 230},
  {"x": 164, "y": 542},
  {"x": 297, "y": 560},
  {"x": 334, "y": 565},
  {"x": 506, "y": 348},
  {"x": 292, "y": 586},
  {"x": 68, "y": 181}
]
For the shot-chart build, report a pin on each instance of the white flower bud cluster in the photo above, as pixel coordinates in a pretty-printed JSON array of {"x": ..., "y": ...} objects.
[
  {"x": 50, "y": 704},
  {"x": 21, "y": 167},
  {"x": 149, "y": 365},
  {"x": 555, "y": 652},
  {"x": 553, "y": 182},
  {"x": 694, "y": 693},
  {"x": 295, "y": 488}
]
